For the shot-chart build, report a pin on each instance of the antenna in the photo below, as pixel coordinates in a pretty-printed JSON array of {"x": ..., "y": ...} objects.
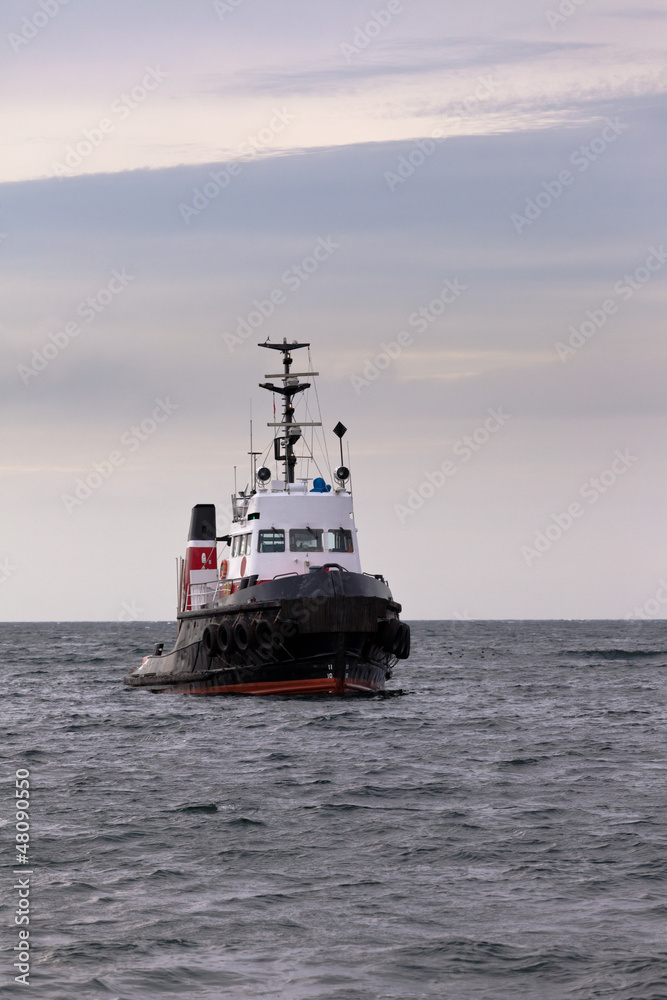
[
  {"x": 253, "y": 454},
  {"x": 291, "y": 431}
]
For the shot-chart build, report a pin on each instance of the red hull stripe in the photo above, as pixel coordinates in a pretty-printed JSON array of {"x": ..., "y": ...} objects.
[{"x": 319, "y": 685}]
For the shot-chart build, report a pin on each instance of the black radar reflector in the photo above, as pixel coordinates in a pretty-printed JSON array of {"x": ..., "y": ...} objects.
[{"x": 339, "y": 430}]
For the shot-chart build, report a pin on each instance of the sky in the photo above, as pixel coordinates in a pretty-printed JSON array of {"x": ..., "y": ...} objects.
[{"x": 460, "y": 205}]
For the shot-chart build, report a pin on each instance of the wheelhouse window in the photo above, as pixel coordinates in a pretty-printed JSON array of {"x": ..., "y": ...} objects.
[
  {"x": 305, "y": 540},
  {"x": 271, "y": 540},
  {"x": 339, "y": 540},
  {"x": 241, "y": 545}
]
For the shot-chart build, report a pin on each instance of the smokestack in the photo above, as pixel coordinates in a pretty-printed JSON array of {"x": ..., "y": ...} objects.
[{"x": 201, "y": 557}]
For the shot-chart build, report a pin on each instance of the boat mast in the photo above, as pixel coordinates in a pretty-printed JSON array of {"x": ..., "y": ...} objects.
[
  {"x": 253, "y": 457},
  {"x": 288, "y": 390}
]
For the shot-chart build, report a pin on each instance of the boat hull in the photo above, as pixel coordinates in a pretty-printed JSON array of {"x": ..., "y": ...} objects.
[
  {"x": 319, "y": 634},
  {"x": 293, "y": 679}
]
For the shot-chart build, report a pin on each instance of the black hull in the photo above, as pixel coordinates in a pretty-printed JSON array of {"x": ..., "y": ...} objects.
[{"x": 325, "y": 633}]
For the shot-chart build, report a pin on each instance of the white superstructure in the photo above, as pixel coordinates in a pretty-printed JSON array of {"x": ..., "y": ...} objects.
[{"x": 292, "y": 531}]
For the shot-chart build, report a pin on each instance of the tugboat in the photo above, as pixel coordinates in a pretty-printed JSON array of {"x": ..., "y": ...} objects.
[{"x": 287, "y": 609}]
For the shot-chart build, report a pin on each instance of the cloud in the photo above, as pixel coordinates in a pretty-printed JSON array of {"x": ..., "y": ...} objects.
[
  {"x": 396, "y": 59},
  {"x": 451, "y": 219}
]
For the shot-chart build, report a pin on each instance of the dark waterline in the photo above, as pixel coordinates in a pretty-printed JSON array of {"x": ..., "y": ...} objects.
[{"x": 497, "y": 832}]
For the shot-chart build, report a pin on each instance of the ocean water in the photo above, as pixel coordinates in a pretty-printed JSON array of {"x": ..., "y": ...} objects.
[{"x": 498, "y": 831}]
